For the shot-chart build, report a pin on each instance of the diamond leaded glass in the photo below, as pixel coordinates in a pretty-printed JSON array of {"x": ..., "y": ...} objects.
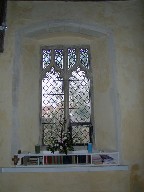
[
  {"x": 71, "y": 58},
  {"x": 84, "y": 57},
  {"x": 52, "y": 103},
  {"x": 59, "y": 58},
  {"x": 46, "y": 57},
  {"x": 66, "y": 93},
  {"x": 80, "y": 133},
  {"x": 79, "y": 101}
]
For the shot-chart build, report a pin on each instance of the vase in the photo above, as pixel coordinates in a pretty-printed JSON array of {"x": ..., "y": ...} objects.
[{"x": 37, "y": 149}]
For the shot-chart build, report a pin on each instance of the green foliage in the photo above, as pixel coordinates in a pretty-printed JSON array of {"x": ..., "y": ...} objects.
[
  {"x": 63, "y": 145},
  {"x": 62, "y": 141}
]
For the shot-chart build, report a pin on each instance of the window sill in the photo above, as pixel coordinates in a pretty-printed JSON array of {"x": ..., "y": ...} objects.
[{"x": 63, "y": 168}]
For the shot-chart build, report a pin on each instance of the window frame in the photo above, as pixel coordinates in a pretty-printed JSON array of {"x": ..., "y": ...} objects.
[{"x": 42, "y": 72}]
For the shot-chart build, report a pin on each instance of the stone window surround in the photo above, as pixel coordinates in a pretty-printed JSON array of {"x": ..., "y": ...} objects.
[{"x": 61, "y": 26}]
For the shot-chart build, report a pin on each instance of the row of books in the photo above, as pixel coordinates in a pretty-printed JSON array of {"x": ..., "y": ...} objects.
[
  {"x": 67, "y": 159},
  {"x": 53, "y": 160}
]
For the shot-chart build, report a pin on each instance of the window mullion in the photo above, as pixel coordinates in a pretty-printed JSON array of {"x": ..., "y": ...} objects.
[{"x": 66, "y": 89}]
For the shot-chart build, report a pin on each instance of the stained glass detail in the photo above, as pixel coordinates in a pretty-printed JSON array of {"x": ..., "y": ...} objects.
[
  {"x": 84, "y": 57},
  {"x": 59, "y": 58},
  {"x": 79, "y": 100},
  {"x": 46, "y": 58},
  {"x": 71, "y": 58},
  {"x": 52, "y": 103}
]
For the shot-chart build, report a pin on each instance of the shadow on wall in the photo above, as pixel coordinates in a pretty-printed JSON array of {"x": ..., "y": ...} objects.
[{"x": 136, "y": 181}]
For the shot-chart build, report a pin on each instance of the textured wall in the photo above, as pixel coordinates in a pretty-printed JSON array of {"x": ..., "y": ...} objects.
[
  {"x": 116, "y": 38},
  {"x": 63, "y": 182}
]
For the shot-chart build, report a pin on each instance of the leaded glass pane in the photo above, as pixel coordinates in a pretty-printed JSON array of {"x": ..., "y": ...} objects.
[
  {"x": 46, "y": 57},
  {"x": 59, "y": 58},
  {"x": 71, "y": 58},
  {"x": 84, "y": 57},
  {"x": 66, "y": 93},
  {"x": 52, "y": 103},
  {"x": 51, "y": 131},
  {"x": 79, "y": 100},
  {"x": 80, "y": 133}
]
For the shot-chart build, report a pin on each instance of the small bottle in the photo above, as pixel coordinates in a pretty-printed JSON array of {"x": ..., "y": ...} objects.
[
  {"x": 19, "y": 151},
  {"x": 89, "y": 147}
]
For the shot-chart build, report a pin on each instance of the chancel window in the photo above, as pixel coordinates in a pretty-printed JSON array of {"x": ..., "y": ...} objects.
[{"x": 66, "y": 93}]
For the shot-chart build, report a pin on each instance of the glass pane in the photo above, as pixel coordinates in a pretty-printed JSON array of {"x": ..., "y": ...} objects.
[
  {"x": 84, "y": 58},
  {"x": 59, "y": 57},
  {"x": 51, "y": 131},
  {"x": 46, "y": 58},
  {"x": 80, "y": 133},
  {"x": 76, "y": 88},
  {"x": 52, "y": 103},
  {"x": 79, "y": 100},
  {"x": 71, "y": 58}
]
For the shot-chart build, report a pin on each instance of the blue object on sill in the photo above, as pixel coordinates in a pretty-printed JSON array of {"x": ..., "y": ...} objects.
[{"x": 89, "y": 147}]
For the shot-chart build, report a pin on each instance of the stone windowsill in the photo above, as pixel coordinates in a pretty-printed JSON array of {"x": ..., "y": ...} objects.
[{"x": 62, "y": 168}]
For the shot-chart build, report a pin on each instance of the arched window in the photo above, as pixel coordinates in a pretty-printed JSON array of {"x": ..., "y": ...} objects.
[{"x": 66, "y": 93}]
